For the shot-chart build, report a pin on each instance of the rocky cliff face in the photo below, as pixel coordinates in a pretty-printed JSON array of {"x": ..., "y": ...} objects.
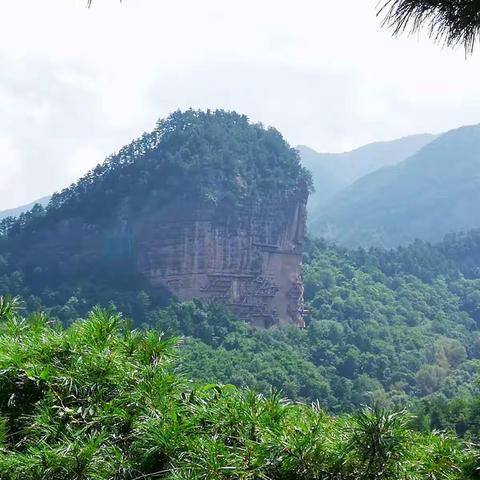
[
  {"x": 207, "y": 205},
  {"x": 248, "y": 259}
]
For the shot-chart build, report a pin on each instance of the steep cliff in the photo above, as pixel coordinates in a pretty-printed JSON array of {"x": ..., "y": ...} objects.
[
  {"x": 248, "y": 258},
  {"x": 208, "y": 206}
]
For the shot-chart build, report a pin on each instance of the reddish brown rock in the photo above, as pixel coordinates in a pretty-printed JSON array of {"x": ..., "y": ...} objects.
[{"x": 246, "y": 258}]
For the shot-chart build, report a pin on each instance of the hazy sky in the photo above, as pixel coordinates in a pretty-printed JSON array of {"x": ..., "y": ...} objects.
[{"x": 77, "y": 84}]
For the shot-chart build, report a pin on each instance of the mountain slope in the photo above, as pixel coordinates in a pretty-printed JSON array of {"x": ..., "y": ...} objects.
[
  {"x": 350, "y": 166},
  {"x": 431, "y": 194},
  {"x": 326, "y": 183},
  {"x": 332, "y": 172},
  {"x": 15, "y": 212}
]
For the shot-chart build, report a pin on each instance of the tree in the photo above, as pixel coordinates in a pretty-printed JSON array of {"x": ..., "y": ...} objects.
[
  {"x": 97, "y": 401},
  {"x": 452, "y": 22}
]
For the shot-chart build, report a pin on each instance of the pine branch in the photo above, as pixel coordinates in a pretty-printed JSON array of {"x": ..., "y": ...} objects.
[{"x": 451, "y": 22}]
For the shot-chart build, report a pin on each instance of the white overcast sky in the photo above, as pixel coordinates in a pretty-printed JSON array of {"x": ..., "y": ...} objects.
[{"x": 77, "y": 84}]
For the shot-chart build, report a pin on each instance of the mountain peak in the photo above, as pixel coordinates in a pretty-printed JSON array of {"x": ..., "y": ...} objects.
[
  {"x": 207, "y": 206},
  {"x": 432, "y": 193},
  {"x": 332, "y": 172}
]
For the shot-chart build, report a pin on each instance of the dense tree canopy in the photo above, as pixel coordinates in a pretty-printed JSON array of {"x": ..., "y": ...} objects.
[
  {"x": 99, "y": 401},
  {"x": 211, "y": 157},
  {"x": 393, "y": 327}
]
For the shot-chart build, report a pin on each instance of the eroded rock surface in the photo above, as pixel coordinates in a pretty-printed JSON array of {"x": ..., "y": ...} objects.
[
  {"x": 208, "y": 205},
  {"x": 248, "y": 259}
]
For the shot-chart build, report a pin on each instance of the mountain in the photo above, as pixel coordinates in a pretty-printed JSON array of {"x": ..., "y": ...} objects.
[
  {"x": 208, "y": 205},
  {"x": 15, "y": 212},
  {"x": 332, "y": 172},
  {"x": 431, "y": 194},
  {"x": 326, "y": 183}
]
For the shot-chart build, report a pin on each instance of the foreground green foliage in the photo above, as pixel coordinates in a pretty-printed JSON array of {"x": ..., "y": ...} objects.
[{"x": 99, "y": 401}]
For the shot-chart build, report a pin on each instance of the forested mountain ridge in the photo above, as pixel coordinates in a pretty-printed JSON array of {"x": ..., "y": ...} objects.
[
  {"x": 208, "y": 205},
  {"x": 332, "y": 172},
  {"x": 431, "y": 194},
  {"x": 206, "y": 156}
]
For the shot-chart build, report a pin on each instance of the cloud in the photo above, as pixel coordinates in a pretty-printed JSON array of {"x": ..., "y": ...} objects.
[
  {"x": 303, "y": 102},
  {"x": 327, "y": 107},
  {"x": 76, "y": 84},
  {"x": 10, "y": 164},
  {"x": 50, "y": 113}
]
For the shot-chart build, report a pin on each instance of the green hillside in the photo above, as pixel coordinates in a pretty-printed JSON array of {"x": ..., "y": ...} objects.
[
  {"x": 217, "y": 161},
  {"x": 433, "y": 193},
  {"x": 212, "y": 157}
]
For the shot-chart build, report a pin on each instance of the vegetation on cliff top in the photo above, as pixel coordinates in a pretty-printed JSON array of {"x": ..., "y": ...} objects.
[
  {"x": 99, "y": 401},
  {"x": 219, "y": 158}
]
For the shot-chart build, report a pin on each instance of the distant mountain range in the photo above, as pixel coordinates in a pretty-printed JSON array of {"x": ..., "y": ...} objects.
[
  {"x": 332, "y": 172},
  {"x": 15, "y": 212},
  {"x": 434, "y": 192}
]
